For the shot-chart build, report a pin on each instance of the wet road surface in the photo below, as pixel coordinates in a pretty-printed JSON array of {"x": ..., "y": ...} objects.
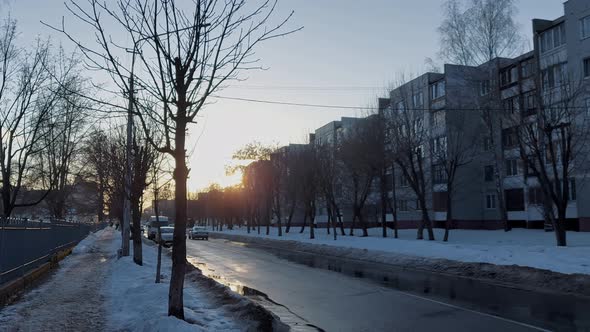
[{"x": 336, "y": 295}]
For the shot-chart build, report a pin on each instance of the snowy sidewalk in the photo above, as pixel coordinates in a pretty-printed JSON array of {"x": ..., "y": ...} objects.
[
  {"x": 71, "y": 299},
  {"x": 92, "y": 290}
]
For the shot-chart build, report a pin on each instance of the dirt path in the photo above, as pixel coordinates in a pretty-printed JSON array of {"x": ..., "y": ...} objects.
[{"x": 70, "y": 300}]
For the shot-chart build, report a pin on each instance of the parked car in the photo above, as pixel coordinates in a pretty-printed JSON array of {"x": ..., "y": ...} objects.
[
  {"x": 166, "y": 234},
  {"x": 198, "y": 232}
]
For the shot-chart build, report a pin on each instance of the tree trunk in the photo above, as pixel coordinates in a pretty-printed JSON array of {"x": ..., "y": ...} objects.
[
  {"x": 136, "y": 231},
  {"x": 363, "y": 223},
  {"x": 311, "y": 225},
  {"x": 449, "y": 221},
  {"x": 159, "y": 263},
  {"x": 342, "y": 232},
  {"x": 279, "y": 224},
  {"x": 559, "y": 226},
  {"x": 329, "y": 212},
  {"x": 304, "y": 221},
  {"x": 334, "y": 216},
  {"x": 354, "y": 216},
  {"x": 291, "y": 212},
  {"x": 420, "y": 232},
  {"x": 425, "y": 223},
  {"x": 175, "y": 295},
  {"x": 384, "y": 199}
]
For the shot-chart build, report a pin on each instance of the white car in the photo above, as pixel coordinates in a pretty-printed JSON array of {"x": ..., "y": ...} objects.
[
  {"x": 166, "y": 235},
  {"x": 198, "y": 232}
]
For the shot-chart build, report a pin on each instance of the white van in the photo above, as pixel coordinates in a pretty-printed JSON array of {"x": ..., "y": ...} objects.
[{"x": 153, "y": 224}]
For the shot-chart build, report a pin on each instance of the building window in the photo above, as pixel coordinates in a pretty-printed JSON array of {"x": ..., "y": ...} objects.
[
  {"x": 585, "y": 27},
  {"x": 400, "y": 106},
  {"x": 508, "y": 76},
  {"x": 439, "y": 174},
  {"x": 490, "y": 201},
  {"x": 511, "y": 167},
  {"x": 587, "y": 67},
  {"x": 402, "y": 205},
  {"x": 572, "y": 190},
  {"x": 484, "y": 87},
  {"x": 535, "y": 196},
  {"x": 554, "y": 75},
  {"x": 509, "y": 137},
  {"x": 514, "y": 199},
  {"x": 418, "y": 100},
  {"x": 527, "y": 68},
  {"x": 439, "y": 146},
  {"x": 437, "y": 90},
  {"x": 438, "y": 119},
  {"x": 488, "y": 173},
  {"x": 511, "y": 105},
  {"x": 530, "y": 103},
  {"x": 552, "y": 38}
]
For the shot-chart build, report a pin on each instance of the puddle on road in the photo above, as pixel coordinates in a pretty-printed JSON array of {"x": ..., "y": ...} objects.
[{"x": 295, "y": 322}]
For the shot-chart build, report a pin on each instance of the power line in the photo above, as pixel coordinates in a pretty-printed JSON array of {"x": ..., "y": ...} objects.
[
  {"x": 295, "y": 104},
  {"x": 307, "y": 88},
  {"x": 287, "y": 103}
]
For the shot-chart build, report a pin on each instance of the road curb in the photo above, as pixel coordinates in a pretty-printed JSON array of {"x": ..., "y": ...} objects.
[{"x": 13, "y": 289}]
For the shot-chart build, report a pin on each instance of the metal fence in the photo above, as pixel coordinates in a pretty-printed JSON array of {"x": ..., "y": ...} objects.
[{"x": 26, "y": 245}]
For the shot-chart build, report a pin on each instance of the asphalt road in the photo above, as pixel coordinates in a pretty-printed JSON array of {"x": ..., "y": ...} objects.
[{"x": 334, "y": 301}]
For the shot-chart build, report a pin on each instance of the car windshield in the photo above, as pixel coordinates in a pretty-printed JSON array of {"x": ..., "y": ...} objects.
[{"x": 167, "y": 229}]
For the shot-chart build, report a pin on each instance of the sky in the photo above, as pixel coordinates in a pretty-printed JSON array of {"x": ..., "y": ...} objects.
[{"x": 347, "y": 54}]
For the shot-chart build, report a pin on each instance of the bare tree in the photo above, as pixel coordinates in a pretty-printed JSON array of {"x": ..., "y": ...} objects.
[
  {"x": 359, "y": 152},
  {"x": 95, "y": 153},
  {"x": 409, "y": 137},
  {"x": 328, "y": 172},
  {"x": 27, "y": 100},
  {"x": 450, "y": 153},
  {"x": 144, "y": 159},
  {"x": 553, "y": 146},
  {"x": 479, "y": 32},
  {"x": 64, "y": 129},
  {"x": 186, "y": 54}
]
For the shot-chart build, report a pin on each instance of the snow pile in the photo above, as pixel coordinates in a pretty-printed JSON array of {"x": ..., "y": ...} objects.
[
  {"x": 88, "y": 244},
  {"x": 136, "y": 303},
  {"x": 522, "y": 247}
]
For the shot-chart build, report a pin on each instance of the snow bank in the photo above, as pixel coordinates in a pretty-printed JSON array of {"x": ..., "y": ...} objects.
[
  {"x": 530, "y": 248},
  {"x": 136, "y": 303},
  {"x": 88, "y": 244}
]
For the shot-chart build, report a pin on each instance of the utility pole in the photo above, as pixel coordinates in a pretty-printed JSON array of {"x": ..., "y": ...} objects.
[{"x": 128, "y": 156}]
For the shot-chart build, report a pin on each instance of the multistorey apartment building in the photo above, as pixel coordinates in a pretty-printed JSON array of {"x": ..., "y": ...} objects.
[
  {"x": 477, "y": 99},
  {"x": 470, "y": 103}
]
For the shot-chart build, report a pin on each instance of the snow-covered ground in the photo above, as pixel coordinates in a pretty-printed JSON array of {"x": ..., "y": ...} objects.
[
  {"x": 532, "y": 248},
  {"x": 93, "y": 291},
  {"x": 136, "y": 303}
]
